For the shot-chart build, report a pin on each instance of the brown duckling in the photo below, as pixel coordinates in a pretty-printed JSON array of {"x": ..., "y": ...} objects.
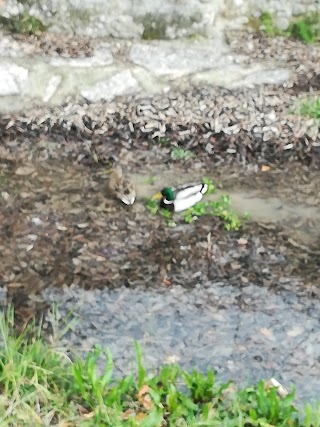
[{"x": 122, "y": 187}]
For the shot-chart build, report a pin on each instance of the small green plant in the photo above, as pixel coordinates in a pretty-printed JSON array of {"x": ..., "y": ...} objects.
[
  {"x": 220, "y": 208},
  {"x": 305, "y": 27},
  {"x": 23, "y": 24},
  {"x": 151, "y": 180},
  {"x": 268, "y": 25},
  {"x": 264, "y": 23},
  {"x": 152, "y": 206},
  {"x": 261, "y": 403},
  {"x": 181, "y": 154},
  {"x": 210, "y": 184},
  {"x": 86, "y": 381},
  {"x": 162, "y": 140},
  {"x": 311, "y": 108}
]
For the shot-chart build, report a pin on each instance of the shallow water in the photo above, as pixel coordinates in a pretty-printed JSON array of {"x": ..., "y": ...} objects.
[{"x": 302, "y": 221}]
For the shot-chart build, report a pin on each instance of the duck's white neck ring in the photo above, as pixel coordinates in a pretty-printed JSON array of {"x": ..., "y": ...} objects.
[{"x": 167, "y": 202}]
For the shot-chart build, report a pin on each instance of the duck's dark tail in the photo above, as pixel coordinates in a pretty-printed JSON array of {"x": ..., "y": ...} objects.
[{"x": 204, "y": 188}]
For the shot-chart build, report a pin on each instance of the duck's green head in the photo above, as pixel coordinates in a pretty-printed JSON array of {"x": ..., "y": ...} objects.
[{"x": 167, "y": 193}]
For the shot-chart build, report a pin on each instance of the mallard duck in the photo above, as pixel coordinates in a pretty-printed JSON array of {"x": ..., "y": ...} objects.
[
  {"x": 121, "y": 186},
  {"x": 181, "y": 197}
]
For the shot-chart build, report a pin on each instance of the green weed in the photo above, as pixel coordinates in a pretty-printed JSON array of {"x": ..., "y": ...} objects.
[
  {"x": 152, "y": 206},
  {"x": 162, "y": 140},
  {"x": 220, "y": 208},
  {"x": 210, "y": 184},
  {"x": 181, "y": 154},
  {"x": 264, "y": 23},
  {"x": 268, "y": 26},
  {"x": 304, "y": 27},
  {"x": 311, "y": 108},
  {"x": 23, "y": 24}
]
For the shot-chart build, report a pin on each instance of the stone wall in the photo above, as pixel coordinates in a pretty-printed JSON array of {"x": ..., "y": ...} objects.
[{"x": 152, "y": 18}]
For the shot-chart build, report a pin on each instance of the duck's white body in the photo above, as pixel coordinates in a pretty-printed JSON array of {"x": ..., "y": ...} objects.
[{"x": 185, "y": 196}]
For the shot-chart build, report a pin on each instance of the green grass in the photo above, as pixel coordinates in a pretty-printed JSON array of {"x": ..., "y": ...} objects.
[
  {"x": 311, "y": 108},
  {"x": 41, "y": 386},
  {"x": 304, "y": 27},
  {"x": 22, "y": 24},
  {"x": 220, "y": 208}
]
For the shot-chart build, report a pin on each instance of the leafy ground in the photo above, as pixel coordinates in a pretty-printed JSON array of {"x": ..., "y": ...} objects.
[{"x": 42, "y": 386}]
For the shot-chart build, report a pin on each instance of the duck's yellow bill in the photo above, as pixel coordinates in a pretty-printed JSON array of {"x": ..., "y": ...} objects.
[{"x": 157, "y": 196}]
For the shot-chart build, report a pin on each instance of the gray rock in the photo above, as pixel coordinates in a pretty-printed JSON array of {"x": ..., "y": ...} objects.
[
  {"x": 119, "y": 84},
  {"x": 12, "y": 78},
  {"x": 240, "y": 75},
  {"x": 53, "y": 85},
  {"x": 267, "y": 76},
  {"x": 125, "y": 27},
  {"x": 11, "y": 48},
  {"x": 282, "y": 22},
  {"x": 176, "y": 59}
]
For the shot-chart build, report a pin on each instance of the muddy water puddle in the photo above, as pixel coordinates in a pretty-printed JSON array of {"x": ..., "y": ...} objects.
[{"x": 301, "y": 221}]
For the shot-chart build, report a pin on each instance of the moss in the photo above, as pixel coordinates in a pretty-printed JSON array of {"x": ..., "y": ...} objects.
[
  {"x": 82, "y": 15},
  {"x": 27, "y": 2},
  {"x": 22, "y": 24},
  {"x": 194, "y": 37},
  {"x": 155, "y": 26}
]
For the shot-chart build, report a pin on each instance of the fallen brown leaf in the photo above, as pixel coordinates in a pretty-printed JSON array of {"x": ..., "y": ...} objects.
[
  {"x": 82, "y": 410},
  {"x": 140, "y": 416},
  {"x": 166, "y": 281},
  {"x": 90, "y": 415},
  {"x": 242, "y": 241},
  {"x": 144, "y": 389},
  {"x": 144, "y": 398},
  {"x": 235, "y": 265},
  {"x": 265, "y": 168},
  {"x": 129, "y": 413},
  {"x": 25, "y": 170}
]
